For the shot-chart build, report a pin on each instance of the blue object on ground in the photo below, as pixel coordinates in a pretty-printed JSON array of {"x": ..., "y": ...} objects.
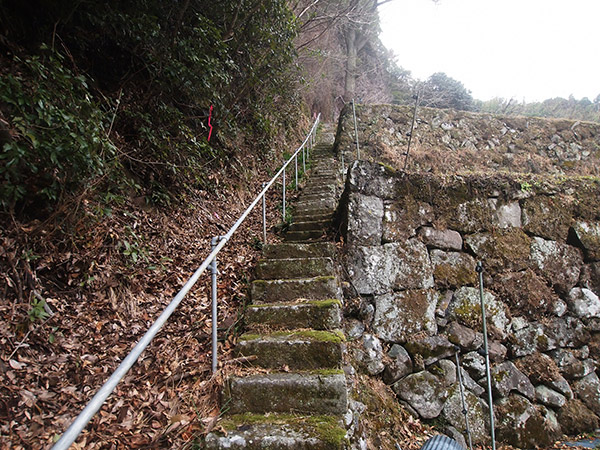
[{"x": 440, "y": 442}]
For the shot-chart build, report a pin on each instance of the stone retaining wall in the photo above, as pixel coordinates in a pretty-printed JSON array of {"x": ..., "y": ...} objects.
[
  {"x": 448, "y": 141},
  {"x": 412, "y": 243}
]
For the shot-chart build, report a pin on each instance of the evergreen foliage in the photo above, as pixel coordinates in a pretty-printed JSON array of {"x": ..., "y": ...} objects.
[{"x": 136, "y": 79}]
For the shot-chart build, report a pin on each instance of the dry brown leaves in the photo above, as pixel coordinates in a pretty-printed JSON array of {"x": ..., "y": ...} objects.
[{"x": 106, "y": 276}]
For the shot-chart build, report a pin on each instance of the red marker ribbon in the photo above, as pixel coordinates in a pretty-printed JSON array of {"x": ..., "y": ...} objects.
[{"x": 209, "y": 125}]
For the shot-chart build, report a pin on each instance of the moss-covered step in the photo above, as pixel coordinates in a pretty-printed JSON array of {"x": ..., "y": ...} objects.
[
  {"x": 314, "y": 225},
  {"x": 278, "y": 431},
  {"x": 319, "y": 392},
  {"x": 293, "y": 250},
  {"x": 315, "y": 314},
  {"x": 318, "y": 288},
  {"x": 304, "y": 236},
  {"x": 325, "y": 203},
  {"x": 274, "y": 269},
  {"x": 298, "y": 350}
]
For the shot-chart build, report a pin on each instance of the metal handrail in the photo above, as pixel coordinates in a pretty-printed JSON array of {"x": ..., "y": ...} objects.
[{"x": 108, "y": 387}]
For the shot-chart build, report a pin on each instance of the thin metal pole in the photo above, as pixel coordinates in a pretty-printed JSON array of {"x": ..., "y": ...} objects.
[
  {"x": 412, "y": 128},
  {"x": 296, "y": 168},
  {"x": 303, "y": 160},
  {"x": 479, "y": 270},
  {"x": 355, "y": 131},
  {"x": 462, "y": 398},
  {"x": 213, "y": 243},
  {"x": 264, "y": 215},
  {"x": 283, "y": 208}
]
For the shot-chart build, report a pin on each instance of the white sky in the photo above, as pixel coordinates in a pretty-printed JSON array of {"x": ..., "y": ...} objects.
[{"x": 522, "y": 49}]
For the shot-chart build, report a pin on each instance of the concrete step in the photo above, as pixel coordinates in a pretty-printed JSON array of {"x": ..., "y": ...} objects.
[
  {"x": 318, "y": 288},
  {"x": 310, "y": 225},
  {"x": 296, "y": 350},
  {"x": 289, "y": 250},
  {"x": 278, "y": 432},
  {"x": 276, "y": 269},
  {"x": 304, "y": 236},
  {"x": 318, "y": 392},
  {"x": 315, "y": 314},
  {"x": 328, "y": 203},
  {"x": 317, "y": 188},
  {"x": 317, "y": 194},
  {"x": 311, "y": 217}
]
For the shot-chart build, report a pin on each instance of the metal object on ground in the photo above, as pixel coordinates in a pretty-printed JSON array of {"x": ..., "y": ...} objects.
[
  {"x": 355, "y": 131},
  {"x": 213, "y": 243},
  {"x": 462, "y": 399},
  {"x": 109, "y": 386},
  {"x": 479, "y": 270},
  {"x": 441, "y": 442},
  {"x": 264, "y": 215},
  {"x": 283, "y": 206}
]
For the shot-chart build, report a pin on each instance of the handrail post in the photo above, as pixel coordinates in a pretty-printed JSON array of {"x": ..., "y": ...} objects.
[
  {"x": 264, "y": 215},
  {"x": 479, "y": 270},
  {"x": 303, "y": 159},
  {"x": 355, "y": 131},
  {"x": 296, "y": 168},
  {"x": 213, "y": 243},
  {"x": 283, "y": 206}
]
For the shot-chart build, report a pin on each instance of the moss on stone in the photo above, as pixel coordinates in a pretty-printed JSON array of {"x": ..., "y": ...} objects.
[
  {"x": 448, "y": 276},
  {"x": 328, "y": 429},
  {"x": 325, "y": 303},
  {"x": 336, "y": 336}
]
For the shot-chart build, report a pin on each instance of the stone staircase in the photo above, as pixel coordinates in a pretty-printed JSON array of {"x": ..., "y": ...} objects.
[{"x": 294, "y": 396}]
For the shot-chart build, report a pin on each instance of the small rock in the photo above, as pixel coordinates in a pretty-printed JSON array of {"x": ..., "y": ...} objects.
[
  {"x": 365, "y": 214},
  {"x": 424, "y": 392},
  {"x": 474, "y": 363},
  {"x": 508, "y": 216},
  {"x": 583, "y": 303},
  {"x": 379, "y": 269},
  {"x": 571, "y": 364},
  {"x": 549, "y": 397},
  {"x": 588, "y": 236},
  {"x": 518, "y": 323},
  {"x": 453, "y": 413},
  {"x": 453, "y": 433},
  {"x": 354, "y": 329},
  {"x": 562, "y": 386},
  {"x": 400, "y": 315},
  {"x": 590, "y": 277},
  {"x": 466, "y": 309},
  {"x": 453, "y": 269},
  {"x": 522, "y": 424},
  {"x": 507, "y": 378},
  {"x": 430, "y": 348},
  {"x": 442, "y": 239},
  {"x": 463, "y": 336},
  {"x": 561, "y": 263},
  {"x": 371, "y": 355},
  {"x": 576, "y": 418},
  {"x": 497, "y": 351},
  {"x": 400, "y": 366},
  {"x": 587, "y": 390},
  {"x": 447, "y": 371}
]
